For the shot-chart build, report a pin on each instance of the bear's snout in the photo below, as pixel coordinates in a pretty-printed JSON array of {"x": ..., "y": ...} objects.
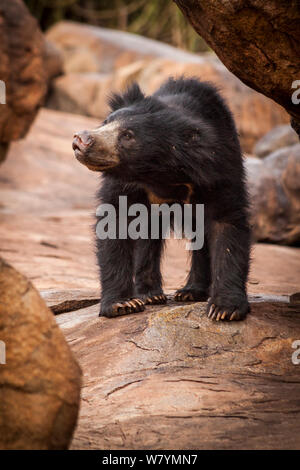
[
  {"x": 82, "y": 140},
  {"x": 96, "y": 149}
]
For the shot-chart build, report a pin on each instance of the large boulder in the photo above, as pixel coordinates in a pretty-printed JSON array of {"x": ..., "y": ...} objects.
[
  {"x": 40, "y": 380},
  {"x": 274, "y": 185},
  {"x": 98, "y": 61},
  {"x": 27, "y": 63},
  {"x": 258, "y": 41}
]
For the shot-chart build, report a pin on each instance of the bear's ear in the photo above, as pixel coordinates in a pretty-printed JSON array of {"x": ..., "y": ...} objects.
[{"x": 132, "y": 95}]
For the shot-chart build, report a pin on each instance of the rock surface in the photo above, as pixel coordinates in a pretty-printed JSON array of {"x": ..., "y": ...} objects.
[
  {"x": 98, "y": 61},
  {"x": 27, "y": 64},
  {"x": 40, "y": 382},
  {"x": 170, "y": 378},
  {"x": 274, "y": 186},
  {"x": 278, "y": 137},
  {"x": 196, "y": 383},
  {"x": 258, "y": 41}
]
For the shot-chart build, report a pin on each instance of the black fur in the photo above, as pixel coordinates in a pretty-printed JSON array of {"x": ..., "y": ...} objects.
[{"x": 183, "y": 134}]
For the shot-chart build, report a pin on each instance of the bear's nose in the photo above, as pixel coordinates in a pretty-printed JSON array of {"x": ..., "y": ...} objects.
[{"x": 82, "y": 140}]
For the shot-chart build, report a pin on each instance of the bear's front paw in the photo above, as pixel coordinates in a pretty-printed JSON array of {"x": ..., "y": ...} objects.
[
  {"x": 122, "y": 308},
  {"x": 154, "y": 299},
  {"x": 218, "y": 310},
  {"x": 188, "y": 294}
]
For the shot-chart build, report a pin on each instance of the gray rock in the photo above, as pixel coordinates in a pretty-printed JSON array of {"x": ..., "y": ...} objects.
[
  {"x": 274, "y": 186},
  {"x": 280, "y": 136}
]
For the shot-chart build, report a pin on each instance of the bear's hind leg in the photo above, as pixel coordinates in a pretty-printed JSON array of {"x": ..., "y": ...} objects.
[
  {"x": 148, "y": 281},
  {"x": 198, "y": 282},
  {"x": 230, "y": 253}
]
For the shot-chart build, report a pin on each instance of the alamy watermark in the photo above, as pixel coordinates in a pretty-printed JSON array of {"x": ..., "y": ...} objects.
[
  {"x": 188, "y": 222},
  {"x": 296, "y": 354},
  {"x": 2, "y": 352},
  {"x": 2, "y": 92},
  {"x": 296, "y": 93}
]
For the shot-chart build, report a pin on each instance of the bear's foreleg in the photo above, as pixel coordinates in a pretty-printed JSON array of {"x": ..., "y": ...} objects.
[
  {"x": 230, "y": 253},
  {"x": 116, "y": 274}
]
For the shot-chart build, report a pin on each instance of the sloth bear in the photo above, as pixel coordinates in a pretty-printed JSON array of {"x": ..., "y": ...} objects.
[{"x": 179, "y": 145}]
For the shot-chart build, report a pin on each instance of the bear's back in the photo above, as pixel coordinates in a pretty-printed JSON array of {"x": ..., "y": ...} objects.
[{"x": 198, "y": 99}]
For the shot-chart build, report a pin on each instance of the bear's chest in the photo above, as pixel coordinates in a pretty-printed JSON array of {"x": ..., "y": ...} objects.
[{"x": 180, "y": 193}]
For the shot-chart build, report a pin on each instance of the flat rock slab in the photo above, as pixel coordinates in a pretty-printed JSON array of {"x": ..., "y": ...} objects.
[
  {"x": 169, "y": 378},
  {"x": 60, "y": 301}
]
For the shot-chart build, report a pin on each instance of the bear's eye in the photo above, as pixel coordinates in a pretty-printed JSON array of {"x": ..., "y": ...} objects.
[
  {"x": 196, "y": 136},
  {"x": 127, "y": 135}
]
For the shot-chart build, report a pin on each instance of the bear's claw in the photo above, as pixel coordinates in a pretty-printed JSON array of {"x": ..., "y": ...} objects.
[
  {"x": 183, "y": 296},
  {"x": 214, "y": 312},
  {"x": 128, "y": 306},
  {"x": 156, "y": 299},
  {"x": 191, "y": 294}
]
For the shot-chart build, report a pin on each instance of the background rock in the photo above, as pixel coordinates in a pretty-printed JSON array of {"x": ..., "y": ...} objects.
[
  {"x": 40, "y": 382},
  {"x": 98, "y": 61},
  {"x": 274, "y": 185},
  {"x": 26, "y": 66},
  {"x": 88, "y": 48},
  {"x": 53, "y": 60},
  {"x": 278, "y": 137},
  {"x": 257, "y": 41}
]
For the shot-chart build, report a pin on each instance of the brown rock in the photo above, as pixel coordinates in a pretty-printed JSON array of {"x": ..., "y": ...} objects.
[
  {"x": 26, "y": 65},
  {"x": 92, "y": 49},
  {"x": 87, "y": 93},
  {"x": 21, "y": 68},
  {"x": 75, "y": 93},
  {"x": 280, "y": 136},
  {"x": 40, "y": 382},
  {"x": 172, "y": 379},
  {"x": 274, "y": 185},
  {"x": 258, "y": 41}
]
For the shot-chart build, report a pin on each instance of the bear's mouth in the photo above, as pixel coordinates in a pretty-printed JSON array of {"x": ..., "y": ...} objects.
[{"x": 90, "y": 163}]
